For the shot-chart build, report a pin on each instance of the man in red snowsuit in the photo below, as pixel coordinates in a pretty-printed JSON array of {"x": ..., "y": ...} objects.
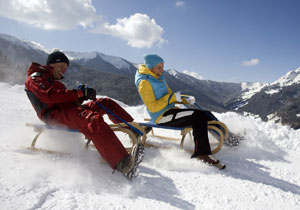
[{"x": 56, "y": 105}]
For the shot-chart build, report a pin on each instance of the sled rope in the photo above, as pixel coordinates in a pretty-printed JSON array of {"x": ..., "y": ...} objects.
[{"x": 119, "y": 118}]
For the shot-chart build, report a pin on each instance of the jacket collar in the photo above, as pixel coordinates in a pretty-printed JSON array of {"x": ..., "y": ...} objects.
[
  {"x": 144, "y": 70},
  {"x": 35, "y": 67}
]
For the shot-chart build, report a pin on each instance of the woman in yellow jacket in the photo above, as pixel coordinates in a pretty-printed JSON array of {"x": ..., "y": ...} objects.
[{"x": 160, "y": 102}]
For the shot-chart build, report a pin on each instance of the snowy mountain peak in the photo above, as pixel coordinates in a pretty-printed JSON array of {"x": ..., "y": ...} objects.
[
  {"x": 80, "y": 55},
  {"x": 193, "y": 74},
  {"x": 292, "y": 77},
  {"x": 24, "y": 43},
  {"x": 251, "y": 88},
  {"x": 173, "y": 72},
  {"x": 117, "y": 62},
  {"x": 187, "y": 74},
  {"x": 252, "y": 85}
]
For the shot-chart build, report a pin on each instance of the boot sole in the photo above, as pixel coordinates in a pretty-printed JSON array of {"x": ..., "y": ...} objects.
[{"x": 139, "y": 155}]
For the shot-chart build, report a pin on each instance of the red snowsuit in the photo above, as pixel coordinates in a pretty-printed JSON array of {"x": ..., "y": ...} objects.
[{"x": 57, "y": 105}]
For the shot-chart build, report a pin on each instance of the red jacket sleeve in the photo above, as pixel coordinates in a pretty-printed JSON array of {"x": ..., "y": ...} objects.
[{"x": 50, "y": 92}]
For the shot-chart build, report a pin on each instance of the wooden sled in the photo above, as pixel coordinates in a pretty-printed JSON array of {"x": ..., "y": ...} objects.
[
  {"x": 40, "y": 128},
  {"x": 217, "y": 129}
]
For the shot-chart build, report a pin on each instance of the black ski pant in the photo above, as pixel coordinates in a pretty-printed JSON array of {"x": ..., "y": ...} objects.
[{"x": 197, "y": 120}]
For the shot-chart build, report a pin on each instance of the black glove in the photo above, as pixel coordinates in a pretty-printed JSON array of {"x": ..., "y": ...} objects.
[{"x": 89, "y": 93}]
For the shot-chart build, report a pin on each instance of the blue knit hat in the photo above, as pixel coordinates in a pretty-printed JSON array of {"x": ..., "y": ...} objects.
[{"x": 152, "y": 60}]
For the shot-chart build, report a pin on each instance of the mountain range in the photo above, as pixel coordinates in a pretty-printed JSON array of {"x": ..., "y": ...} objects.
[{"x": 114, "y": 77}]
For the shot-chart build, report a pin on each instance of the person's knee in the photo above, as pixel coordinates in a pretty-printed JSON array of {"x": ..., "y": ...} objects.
[
  {"x": 199, "y": 115},
  {"x": 108, "y": 103},
  {"x": 96, "y": 124}
]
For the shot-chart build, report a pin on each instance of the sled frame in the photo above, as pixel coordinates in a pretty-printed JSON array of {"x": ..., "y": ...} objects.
[
  {"x": 40, "y": 128},
  {"x": 215, "y": 127}
]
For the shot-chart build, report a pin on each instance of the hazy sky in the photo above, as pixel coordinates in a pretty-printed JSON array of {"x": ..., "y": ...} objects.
[{"x": 221, "y": 40}]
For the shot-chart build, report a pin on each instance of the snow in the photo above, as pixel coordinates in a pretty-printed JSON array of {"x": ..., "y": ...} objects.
[
  {"x": 250, "y": 89},
  {"x": 117, "y": 62},
  {"x": 272, "y": 91},
  {"x": 78, "y": 55},
  {"x": 173, "y": 72},
  {"x": 186, "y": 75},
  {"x": 262, "y": 173},
  {"x": 290, "y": 78},
  {"x": 24, "y": 43},
  {"x": 196, "y": 75}
]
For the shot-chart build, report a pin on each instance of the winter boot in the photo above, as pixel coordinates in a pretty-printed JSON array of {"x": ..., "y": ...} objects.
[{"x": 128, "y": 165}]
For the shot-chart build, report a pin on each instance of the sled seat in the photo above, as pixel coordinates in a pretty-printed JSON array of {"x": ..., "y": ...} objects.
[{"x": 154, "y": 125}]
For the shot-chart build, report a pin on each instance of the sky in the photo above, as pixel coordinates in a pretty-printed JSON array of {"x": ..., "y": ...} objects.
[{"x": 220, "y": 40}]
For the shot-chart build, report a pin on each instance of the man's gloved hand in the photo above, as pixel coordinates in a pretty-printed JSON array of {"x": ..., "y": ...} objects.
[
  {"x": 88, "y": 93},
  {"x": 178, "y": 96}
]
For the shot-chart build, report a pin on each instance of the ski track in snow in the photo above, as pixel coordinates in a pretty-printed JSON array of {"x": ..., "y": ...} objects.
[{"x": 262, "y": 173}]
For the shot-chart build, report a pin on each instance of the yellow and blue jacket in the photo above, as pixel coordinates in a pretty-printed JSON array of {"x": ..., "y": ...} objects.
[{"x": 155, "y": 93}]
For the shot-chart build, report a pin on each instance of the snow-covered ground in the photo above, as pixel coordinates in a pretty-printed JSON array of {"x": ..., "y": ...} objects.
[{"x": 262, "y": 173}]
